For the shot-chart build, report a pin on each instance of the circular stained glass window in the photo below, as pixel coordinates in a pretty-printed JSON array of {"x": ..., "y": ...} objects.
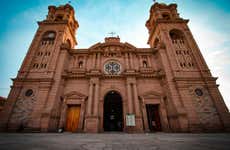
[
  {"x": 198, "y": 92},
  {"x": 112, "y": 68},
  {"x": 29, "y": 92}
]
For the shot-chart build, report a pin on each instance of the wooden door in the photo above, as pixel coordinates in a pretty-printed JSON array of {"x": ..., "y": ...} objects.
[{"x": 72, "y": 119}]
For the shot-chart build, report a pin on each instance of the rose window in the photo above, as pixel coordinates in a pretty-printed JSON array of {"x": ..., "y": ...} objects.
[{"x": 112, "y": 68}]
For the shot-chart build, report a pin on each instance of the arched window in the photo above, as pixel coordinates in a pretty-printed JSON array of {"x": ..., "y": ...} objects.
[
  {"x": 68, "y": 44},
  {"x": 59, "y": 17},
  {"x": 35, "y": 65},
  {"x": 80, "y": 64},
  {"x": 166, "y": 16},
  {"x": 48, "y": 37},
  {"x": 156, "y": 42},
  {"x": 176, "y": 36}
]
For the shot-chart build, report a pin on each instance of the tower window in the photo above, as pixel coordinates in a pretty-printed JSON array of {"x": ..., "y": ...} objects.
[
  {"x": 68, "y": 43},
  {"x": 48, "y": 37},
  {"x": 176, "y": 36},
  {"x": 156, "y": 42},
  {"x": 166, "y": 16},
  {"x": 29, "y": 92},
  {"x": 35, "y": 65},
  {"x": 80, "y": 64},
  {"x": 59, "y": 18}
]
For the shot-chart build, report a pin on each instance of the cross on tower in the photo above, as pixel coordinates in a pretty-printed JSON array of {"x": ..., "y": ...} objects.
[{"x": 112, "y": 34}]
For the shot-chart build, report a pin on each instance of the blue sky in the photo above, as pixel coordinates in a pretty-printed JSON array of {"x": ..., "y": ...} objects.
[{"x": 209, "y": 23}]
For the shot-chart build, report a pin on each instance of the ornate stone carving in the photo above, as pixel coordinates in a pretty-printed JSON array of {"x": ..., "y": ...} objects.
[
  {"x": 112, "y": 68},
  {"x": 111, "y": 51}
]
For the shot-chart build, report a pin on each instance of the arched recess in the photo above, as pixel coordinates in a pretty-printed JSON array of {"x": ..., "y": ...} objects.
[
  {"x": 49, "y": 35},
  {"x": 176, "y": 34},
  {"x": 156, "y": 43},
  {"x": 113, "y": 112},
  {"x": 68, "y": 44},
  {"x": 72, "y": 112},
  {"x": 166, "y": 16}
]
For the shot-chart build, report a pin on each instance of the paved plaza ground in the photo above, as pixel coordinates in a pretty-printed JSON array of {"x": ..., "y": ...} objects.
[{"x": 113, "y": 141}]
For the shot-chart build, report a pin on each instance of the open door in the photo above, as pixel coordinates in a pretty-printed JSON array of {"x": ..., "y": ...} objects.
[
  {"x": 113, "y": 112},
  {"x": 153, "y": 117},
  {"x": 72, "y": 119}
]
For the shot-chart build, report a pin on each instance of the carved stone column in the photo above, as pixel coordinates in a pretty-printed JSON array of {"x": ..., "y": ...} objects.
[
  {"x": 138, "y": 119},
  {"x": 75, "y": 62},
  {"x": 126, "y": 61},
  {"x": 131, "y": 60},
  {"x": 96, "y": 99},
  {"x": 98, "y": 60},
  {"x": 149, "y": 61},
  {"x": 130, "y": 102},
  {"x": 85, "y": 62},
  {"x": 136, "y": 101},
  {"x": 63, "y": 114},
  {"x": 145, "y": 116},
  {"x": 91, "y": 121},
  {"x": 140, "y": 62},
  {"x": 90, "y": 99},
  {"x": 94, "y": 61}
]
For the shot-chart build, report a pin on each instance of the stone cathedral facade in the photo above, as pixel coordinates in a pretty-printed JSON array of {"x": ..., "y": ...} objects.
[{"x": 115, "y": 86}]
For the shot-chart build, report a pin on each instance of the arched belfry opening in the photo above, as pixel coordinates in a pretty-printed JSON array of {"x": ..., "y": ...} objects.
[{"x": 113, "y": 112}]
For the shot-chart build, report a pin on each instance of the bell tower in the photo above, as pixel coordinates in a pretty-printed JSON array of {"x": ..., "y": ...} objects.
[
  {"x": 55, "y": 32},
  {"x": 34, "y": 98},
  {"x": 188, "y": 84}
]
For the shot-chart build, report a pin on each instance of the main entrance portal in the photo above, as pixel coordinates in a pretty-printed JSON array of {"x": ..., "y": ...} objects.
[{"x": 113, "y": 113}]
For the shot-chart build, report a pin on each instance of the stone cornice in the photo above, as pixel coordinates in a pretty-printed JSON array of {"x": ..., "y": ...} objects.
[
  {"x": 48, "y": 22},
  {"x": 194, "y": 78},
  {"x": 88, "y": 51},
  {"x": 33, "y": 79},
  {"x": 126, "y": 74}
]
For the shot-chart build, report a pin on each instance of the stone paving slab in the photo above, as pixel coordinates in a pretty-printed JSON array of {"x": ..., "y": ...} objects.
[{"x": 113, "y": 141}]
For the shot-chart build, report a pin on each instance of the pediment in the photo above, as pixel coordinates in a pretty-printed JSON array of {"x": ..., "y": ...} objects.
[
  {"x": 151, "y": 95},
  {"x": 113, "y": 47},
  {"x": 74, "y": 95}
]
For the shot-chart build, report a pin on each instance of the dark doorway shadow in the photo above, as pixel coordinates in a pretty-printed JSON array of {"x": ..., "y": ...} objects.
[{"x": 113, "y": 112}]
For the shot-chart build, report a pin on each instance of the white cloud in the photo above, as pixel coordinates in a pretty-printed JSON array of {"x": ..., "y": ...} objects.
[{"x": 216, "y": 52}]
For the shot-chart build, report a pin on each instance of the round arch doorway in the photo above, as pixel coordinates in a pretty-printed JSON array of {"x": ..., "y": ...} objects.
[{"x": 113, "y": 112}]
